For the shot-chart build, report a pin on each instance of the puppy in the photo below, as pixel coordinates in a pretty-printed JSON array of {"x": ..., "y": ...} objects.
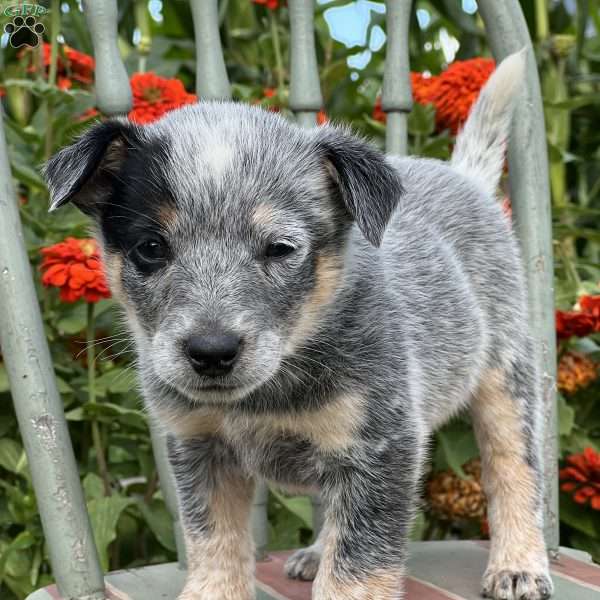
[{"x": 308, "y": 311}]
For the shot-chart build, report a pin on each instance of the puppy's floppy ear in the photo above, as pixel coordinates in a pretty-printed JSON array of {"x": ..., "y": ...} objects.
[
  {"x": 368, "y": 185},
  {"x": 82, "y": 172}
]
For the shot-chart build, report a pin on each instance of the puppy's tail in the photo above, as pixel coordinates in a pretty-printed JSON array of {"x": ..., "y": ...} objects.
[{"x": 480, "y": 147}]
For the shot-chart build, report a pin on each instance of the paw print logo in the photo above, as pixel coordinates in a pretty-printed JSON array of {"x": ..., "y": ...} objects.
[{"x": 24, "y": 32}]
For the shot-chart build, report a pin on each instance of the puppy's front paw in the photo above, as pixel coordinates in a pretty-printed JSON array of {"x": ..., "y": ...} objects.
[
  {"x": 194, "y": 590},
  {"x": 303, "y": 564},
  {"x": 517, "y": 585}
]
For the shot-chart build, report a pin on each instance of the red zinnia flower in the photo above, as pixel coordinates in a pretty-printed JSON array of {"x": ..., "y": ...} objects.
[
  {"x": 81, "y": 66},
  {"x": 270, "y": 4},
  {"x": 453, "y": 92},
  {"x": 580, "y": 324},
  {"x": 153, "y": 96},
  {"x": 74, "y": 267},
  {"x": 70, "y": 65},
  {"x": 590, "y": 305},
  {"x": 571, "y": 323},
  {"x": 582, "y": 477}
]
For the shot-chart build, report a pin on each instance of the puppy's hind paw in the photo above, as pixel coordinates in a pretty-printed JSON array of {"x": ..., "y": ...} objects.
[
  {"x": 303, "y": 564},
  {"x": 517, "y": 585}
]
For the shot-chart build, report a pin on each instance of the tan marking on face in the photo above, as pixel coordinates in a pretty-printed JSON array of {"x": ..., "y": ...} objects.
[
  {"x": 113, "y": 267},
  {"x": 328, "y": 275},
  {"x": 379, "y": 584},
  {"x": 221, "y": 560},
  {"x": 167, "y": 215},
  {"x": 517, "y": 540},
  {"x": 263, "y": 215},
  {"x": 331, "y": 428}
]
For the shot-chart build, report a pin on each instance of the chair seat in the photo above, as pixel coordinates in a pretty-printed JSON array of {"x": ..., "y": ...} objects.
[{"x": 437, "y": 571}]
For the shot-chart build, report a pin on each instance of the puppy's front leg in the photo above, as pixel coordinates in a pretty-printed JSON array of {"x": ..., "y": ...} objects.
[
  {"x": 366, "y": 530},
  {"x": 215, "y": 499}
]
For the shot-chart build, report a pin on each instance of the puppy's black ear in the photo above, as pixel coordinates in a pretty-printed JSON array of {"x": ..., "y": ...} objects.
[
  {"x": 368, "y": 185},
  {"x": 82, "y": 172}
]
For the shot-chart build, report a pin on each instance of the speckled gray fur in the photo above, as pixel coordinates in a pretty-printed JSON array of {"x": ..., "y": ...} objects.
[{"x": 404, "y": 292}]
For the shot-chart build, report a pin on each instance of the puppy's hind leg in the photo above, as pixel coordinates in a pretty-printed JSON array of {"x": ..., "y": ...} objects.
[
  {"x": 506, "y": 413},
  {"x": 304, "y": 563}
]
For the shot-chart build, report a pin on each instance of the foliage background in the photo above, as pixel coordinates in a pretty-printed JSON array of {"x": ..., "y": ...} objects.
[{"x": 132, "y": 526}]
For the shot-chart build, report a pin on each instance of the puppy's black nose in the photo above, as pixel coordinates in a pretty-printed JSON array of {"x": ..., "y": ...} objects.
[{"x": 213, "y": 355}]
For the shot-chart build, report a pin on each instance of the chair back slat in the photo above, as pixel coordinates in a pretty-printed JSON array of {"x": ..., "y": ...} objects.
[
  {"x": 39, "y": 408},
  {"x": 530, "y": 197},
  {"x": 396, "y": 98},
  {"x": 113, "y": 94},
  {"x": 212, "y": 82},
  {"x": 305, "y": 87},
  {"x": 306, "y": 100}
]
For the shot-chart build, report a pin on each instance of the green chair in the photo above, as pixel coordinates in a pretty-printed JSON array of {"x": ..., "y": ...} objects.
[{"x": 437, "y": 570}]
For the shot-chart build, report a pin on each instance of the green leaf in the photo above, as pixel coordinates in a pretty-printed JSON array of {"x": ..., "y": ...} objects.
[
  {"x": 4, "y": 385},
  {"x": 566, "y": 416},
  {"x": 104, "y": 516},
  {"x": 12, "y": 456},
  {"x": 421, "y": 120},
  {"x": 300, "y": 506},
  {"x": 11, "y": 561},
  {"x": 160, "y": 522},
  {"x": 456, "y": 446},
  {"x": 74, "y": 321},
  {"x": 25, "y": 174},
  {"x": 108, "y": 412},
  {"x": 93, "y": 487},
  {"x": 577, "y": 516},
  {"x": 117, "y": 381}
]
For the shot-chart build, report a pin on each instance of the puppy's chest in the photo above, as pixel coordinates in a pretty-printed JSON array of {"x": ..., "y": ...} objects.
[{"x": 285, "y": 447}]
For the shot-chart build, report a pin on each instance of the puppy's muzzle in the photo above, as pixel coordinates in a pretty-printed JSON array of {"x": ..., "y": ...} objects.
[{"x": 213, "y": 355}]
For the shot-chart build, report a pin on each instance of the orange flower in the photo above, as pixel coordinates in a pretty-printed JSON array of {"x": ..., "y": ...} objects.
[
  {"x": 74, "y": 267},
  {"x": 453, "y": 92},
  {"x": 575, "y": 371},
  {"x": 270, "y": 4},
  {"x": 153, "y": 96},
  {"x": 582, "y": 477}
]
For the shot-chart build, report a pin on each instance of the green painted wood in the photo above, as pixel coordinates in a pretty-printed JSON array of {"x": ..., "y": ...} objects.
[
  {"x": 305, "y": 88},
  {"x": 113, "y": 93},
  {"x": 39, "y": 408},
  {"x": 396, "y": 99},
  {"x": 530, "y": 196},
  {"x": 212, "y": 82}
]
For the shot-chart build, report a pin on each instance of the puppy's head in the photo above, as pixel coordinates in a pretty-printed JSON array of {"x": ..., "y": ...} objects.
[{"x": 224, "y": 230}]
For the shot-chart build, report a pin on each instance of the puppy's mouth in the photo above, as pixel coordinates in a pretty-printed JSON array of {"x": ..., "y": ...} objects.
[{"x": 216, "y": 387}]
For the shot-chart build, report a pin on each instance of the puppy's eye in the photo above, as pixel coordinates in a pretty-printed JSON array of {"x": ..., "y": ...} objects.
[
  {"x": 150, "y": 255},
  {"x": 278, "y": 250}
]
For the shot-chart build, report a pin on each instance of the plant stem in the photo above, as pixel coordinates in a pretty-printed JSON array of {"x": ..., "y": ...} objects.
[
  {"x": 91, "y": 360},
  {"x": 54, "y": 31},
  {"x": 277, "y": 50},
  {"x": 541, "y": 19}
]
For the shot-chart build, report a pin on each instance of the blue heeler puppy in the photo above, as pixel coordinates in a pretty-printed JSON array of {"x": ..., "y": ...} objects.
[{"x": 308, "y": 311}]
